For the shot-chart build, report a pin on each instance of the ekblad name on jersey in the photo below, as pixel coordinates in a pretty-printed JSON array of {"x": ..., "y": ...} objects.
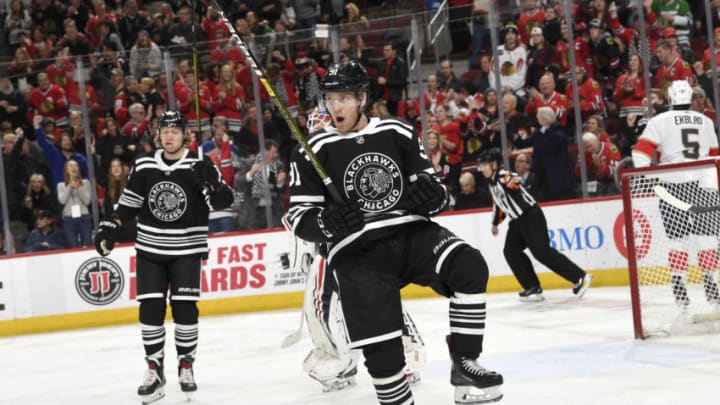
[
  {"x": 172, "y": 210},
  {"x": 369, "y": 166},
  {"x": 678, "y": 136}
]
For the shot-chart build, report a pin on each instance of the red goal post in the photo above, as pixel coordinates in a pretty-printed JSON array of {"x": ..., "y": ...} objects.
[{"x": 671, "y": 231}]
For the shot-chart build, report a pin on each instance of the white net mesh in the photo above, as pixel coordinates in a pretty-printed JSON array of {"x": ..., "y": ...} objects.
[{"x": 676, "y": 250}]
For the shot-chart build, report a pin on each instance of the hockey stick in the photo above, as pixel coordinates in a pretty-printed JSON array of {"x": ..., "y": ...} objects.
[
  {"x": 294, "y": 337},
  {"x": 665, "y": 195},
  {"x": 281, "y": 106}
]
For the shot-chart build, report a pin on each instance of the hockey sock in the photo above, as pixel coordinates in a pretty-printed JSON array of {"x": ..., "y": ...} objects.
[
  {"x": 394, "y": 390},
  {"x": 153, "y": 339},
  {"x": 467, "y": 323},
  {"x": 186, "y": 338}
]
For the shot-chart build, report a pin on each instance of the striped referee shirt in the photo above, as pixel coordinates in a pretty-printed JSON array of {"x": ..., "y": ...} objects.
[{"x": 509, "y": 196}]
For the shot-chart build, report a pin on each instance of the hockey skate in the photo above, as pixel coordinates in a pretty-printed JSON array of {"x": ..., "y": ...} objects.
[
  {"x": 152, "y": 388},
  {"x": 680, "y": 292},
  {"x": 340, "y": 382},
  {"x": 474, "y": 384},
  {"x": 581, "y": 287},
  {"x": 186, "y": 378},
  {"x": 711, "y": 289},
  {"x": 532, "y": 294}
]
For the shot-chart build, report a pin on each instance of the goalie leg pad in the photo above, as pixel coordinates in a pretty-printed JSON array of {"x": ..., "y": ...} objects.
[
  {"x": 414, "y": 348},
  {"x": 331, "y": 362}
]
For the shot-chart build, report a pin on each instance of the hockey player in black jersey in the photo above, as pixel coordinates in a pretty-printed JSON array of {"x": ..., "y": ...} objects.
[
  {"x": 171, "y": 191},
  {"x": 381, "y": 238},
  {"x": 527, "y": 229}
]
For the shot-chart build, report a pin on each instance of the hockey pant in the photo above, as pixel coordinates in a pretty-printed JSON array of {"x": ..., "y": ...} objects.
[{"x": 331, "y": 358}]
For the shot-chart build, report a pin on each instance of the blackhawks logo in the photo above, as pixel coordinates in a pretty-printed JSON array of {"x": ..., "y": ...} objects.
[
  {"x": 167, "y": 201},
  {"x": 375, "y": 179}
]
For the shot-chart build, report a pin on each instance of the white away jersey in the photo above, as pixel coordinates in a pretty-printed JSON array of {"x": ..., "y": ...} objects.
[{"x": 678, "y": 136}]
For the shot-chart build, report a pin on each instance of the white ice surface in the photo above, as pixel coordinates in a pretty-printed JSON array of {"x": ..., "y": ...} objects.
[{"x": 561, "y": 351}]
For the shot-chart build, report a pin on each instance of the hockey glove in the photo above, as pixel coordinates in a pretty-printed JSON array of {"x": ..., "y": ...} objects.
[
  {"x": 340, "y": 220},
  {"x": 426, "y": 196},
  {"x": 205, "y": 175},
  {"x": 107, "y": 235}
]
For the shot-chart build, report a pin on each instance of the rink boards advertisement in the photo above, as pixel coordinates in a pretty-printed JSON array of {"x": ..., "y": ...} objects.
[{"x": 244, "y": 271}]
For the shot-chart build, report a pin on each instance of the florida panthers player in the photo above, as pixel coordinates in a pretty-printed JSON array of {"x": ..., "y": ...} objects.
[
  {"x": 682, "y": 135},
  {"x": 381, "y": 238},
  {"x": 171, "y": 191}
]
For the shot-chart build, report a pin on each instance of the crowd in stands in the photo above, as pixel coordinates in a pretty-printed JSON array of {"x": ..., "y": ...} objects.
[{"x": 123, "y": 46}]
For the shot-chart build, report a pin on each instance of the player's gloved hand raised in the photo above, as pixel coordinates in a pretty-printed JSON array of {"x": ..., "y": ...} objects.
[
  {"x": 426, "y": 196},
  {"x": 337, "y": 221},
  {"x": 205, "y": 174},
  {"x": 107, "y": 235}
]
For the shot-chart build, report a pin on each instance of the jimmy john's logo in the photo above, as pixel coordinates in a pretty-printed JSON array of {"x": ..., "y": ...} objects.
[
  {"x": 376, "y": 180},
  {"x": 167, "y": 201},
  {"x": 99, "y": 281}
]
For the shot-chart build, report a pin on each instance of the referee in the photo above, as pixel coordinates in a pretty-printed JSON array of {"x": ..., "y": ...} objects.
[{"x": 527, "y": 229}]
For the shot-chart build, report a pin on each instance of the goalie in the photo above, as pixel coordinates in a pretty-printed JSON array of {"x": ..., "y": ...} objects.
[{"x": 682, "y": 135}]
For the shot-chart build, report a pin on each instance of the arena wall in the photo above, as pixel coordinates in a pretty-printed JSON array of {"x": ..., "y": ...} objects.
[{"x": 65, "y": 290}]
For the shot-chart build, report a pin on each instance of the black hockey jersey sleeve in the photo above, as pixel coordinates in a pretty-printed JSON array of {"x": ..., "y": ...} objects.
[
  {"x": 307, "y": 198},
  {"x": 132, "y": 198}
]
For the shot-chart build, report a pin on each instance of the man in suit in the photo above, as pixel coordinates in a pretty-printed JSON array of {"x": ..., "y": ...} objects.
[
  {"x": 392, "y": 76},
  {"x": 524, "y": 170}
]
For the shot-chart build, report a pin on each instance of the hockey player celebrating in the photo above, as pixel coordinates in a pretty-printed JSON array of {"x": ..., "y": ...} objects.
[
  {"x": 171, "y": 191},
  {"x": 527, "y": 229},
  {"x": 683, "y": 135},
  {"x": 381, "y": 238}
]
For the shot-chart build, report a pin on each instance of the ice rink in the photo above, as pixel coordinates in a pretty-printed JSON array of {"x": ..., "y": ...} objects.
[{"x": 561, "y": 351}]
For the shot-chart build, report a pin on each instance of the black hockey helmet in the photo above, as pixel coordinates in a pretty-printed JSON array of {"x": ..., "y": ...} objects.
[
  {"x": 490, "y": 155},
  {"x": 348, "y": 76},
  {"x": 171, "y": 119}
]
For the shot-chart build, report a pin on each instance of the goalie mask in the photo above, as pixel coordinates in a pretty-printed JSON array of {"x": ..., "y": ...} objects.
[{"x": 318, "y": 119}]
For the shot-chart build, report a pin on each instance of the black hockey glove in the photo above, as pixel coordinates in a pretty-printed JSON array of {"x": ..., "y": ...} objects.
[
  {"x": 107, "y": 235},
  {"x": 340, "y": 220},
  {"x": 205, "y": 175},
  {"x": 426, "y": 196}
]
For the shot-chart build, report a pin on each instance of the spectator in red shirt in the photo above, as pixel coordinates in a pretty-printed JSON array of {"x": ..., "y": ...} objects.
[
  {"x": 185, "y": 98},
  {"x": 596, "y": 125},
  {"x": 126, "y": 96},
  {"x": 671, "y": 68},
  {"x": 601, "y": 159},
  {"x": 48, "y": 100},
  {"x": 229, "y": 99},
  {"x": 630, "y": 88},
  {"x": 450, "y": 142},
  {"x": 532, "y": 16},
  {"x": 211, "y": 24},
  {"x": 716, "y": 51},
  {"x": 138, "y": 124},
  {"x": 225, "y": 51},
  {"x": 548, "y": 97},
  {"x": 591, "y": 96}
]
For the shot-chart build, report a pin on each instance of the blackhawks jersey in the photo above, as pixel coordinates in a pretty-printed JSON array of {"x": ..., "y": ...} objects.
[
  {"x": 678, "y": 136},
  {"x": 172, "y": 209},
  {"x": 373, "y": 166}
]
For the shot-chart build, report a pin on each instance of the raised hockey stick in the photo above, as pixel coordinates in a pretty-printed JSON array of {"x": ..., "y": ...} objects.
[
  {"x": 665, "y": 195},
  {"x": 327, "y": 181}
]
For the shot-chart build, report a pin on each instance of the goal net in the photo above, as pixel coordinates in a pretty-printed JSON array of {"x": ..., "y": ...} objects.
[{"x": 672, "y": 223}]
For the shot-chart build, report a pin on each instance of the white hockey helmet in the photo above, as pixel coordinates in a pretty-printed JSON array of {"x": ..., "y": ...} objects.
[{"x": 680, "y": 93}]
